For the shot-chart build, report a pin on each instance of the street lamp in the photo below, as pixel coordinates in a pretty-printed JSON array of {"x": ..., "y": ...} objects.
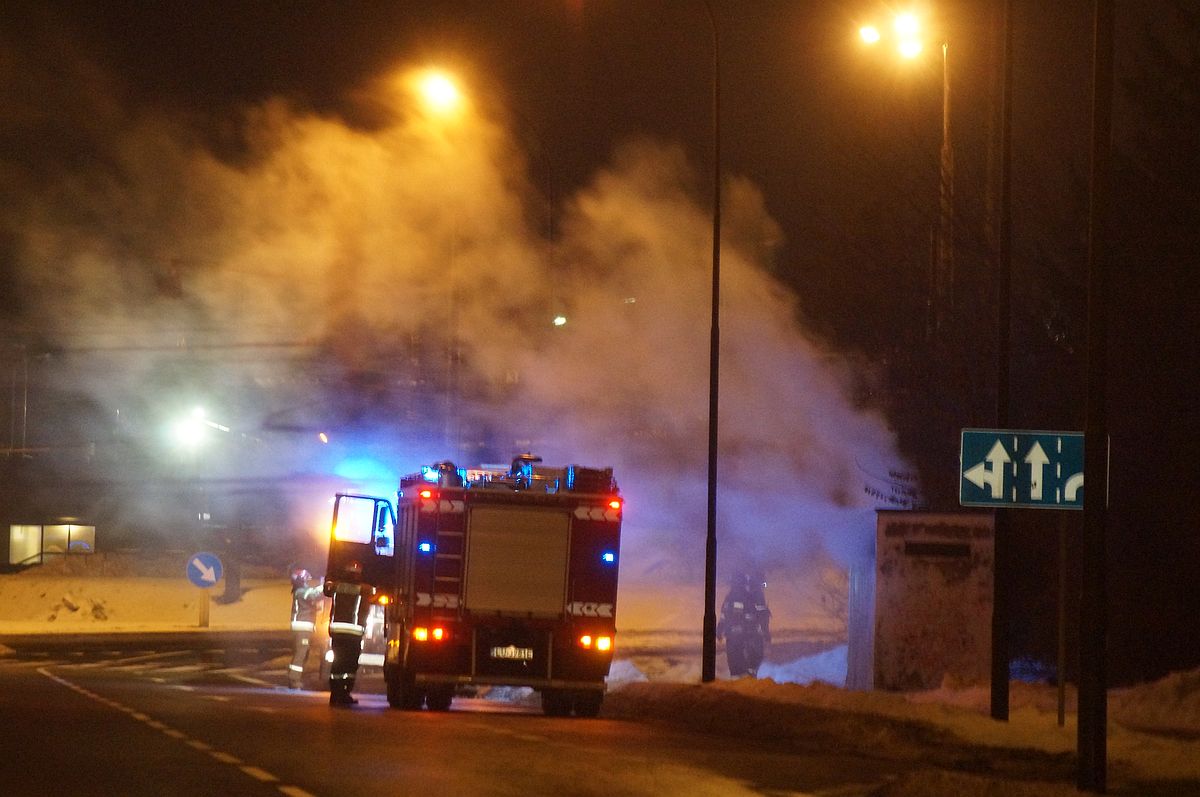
[
  {"x": 1003, "y": 291},
  {"x": 191, "y": 430},
  {"x": 437, "y": 93},
  {"x": 909, "y": 40}
]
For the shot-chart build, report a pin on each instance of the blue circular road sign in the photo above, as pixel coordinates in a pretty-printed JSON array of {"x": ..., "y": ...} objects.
[{"x": 204, "y": 569}]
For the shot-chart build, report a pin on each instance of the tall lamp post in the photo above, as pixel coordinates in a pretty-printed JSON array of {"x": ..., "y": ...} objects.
[
  {"x": 442, "y": 101},
  {"x": 906, "y": 34},
  {"x": 708, "y": 659}
]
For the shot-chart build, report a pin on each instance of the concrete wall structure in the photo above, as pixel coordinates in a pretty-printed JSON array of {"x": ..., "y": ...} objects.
[{"x": 933, "y": 599}]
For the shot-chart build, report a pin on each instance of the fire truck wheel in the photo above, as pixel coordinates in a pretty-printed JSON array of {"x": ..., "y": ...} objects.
[
  {"x": 402, "y": 691},
  {"x": 439, "y": 698},
  {"x": 556, "y": 703},
  {"x": 587, "y": 703}
]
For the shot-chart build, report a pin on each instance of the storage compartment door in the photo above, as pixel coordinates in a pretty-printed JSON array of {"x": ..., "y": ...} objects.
[{"x": 517, "y": 560}]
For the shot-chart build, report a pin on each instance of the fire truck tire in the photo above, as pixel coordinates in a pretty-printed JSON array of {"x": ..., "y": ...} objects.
[
  {"x": 402, "y": 691},
  {"x": 587, "y": 703},
  {"x": 556, "y": 703},
  {"x": 439, "y": 698}
]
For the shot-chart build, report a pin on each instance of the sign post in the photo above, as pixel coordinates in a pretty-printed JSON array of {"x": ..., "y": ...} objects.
[
  {"x": 204, "y": 570},
  {"x": 1004, "y": 468}
]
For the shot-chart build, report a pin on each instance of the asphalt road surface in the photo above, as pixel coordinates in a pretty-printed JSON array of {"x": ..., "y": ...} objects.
[
  {"x": 135, "y": 720},
  {"x": 211, "y": 715}
]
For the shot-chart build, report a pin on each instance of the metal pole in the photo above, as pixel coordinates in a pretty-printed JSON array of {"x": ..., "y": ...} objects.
[
  {"x": 24, "y": 396},
  {"x": 1093, "y": 603},
  {"x": 708, "y": 664},
  {"x": 1062, "y": 619},
  {"x": 1003, "y": 524},
  {"x": 945, "y": 275}
]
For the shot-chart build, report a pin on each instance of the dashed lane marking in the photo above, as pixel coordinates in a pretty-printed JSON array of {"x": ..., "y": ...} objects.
[
  {"x": 293, "y": 791},
  {"x": 258, "y": 773}
]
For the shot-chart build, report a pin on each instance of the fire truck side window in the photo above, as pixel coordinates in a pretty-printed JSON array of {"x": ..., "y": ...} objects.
[{"x": 385, "y": 528}]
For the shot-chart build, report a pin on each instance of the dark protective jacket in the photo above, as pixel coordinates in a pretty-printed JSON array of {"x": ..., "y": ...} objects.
[
  {"x": 306, "y": 605},
  {"x": 745, "y": 612},
  {"x": 351, "y": 605}
]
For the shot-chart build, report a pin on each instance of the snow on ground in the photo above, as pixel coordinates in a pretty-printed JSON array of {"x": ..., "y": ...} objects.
[
  {"x": 1153, "y": 735},
  {"x": 65, "y": 604}
]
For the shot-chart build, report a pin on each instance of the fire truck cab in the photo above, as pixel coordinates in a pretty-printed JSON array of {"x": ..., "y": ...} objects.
[{"x": 492, "y": 576}]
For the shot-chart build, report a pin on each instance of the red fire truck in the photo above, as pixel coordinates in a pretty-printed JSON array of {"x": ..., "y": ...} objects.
[{"x": 489, "y": 576}]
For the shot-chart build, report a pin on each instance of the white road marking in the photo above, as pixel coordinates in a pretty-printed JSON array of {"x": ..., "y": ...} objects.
[
  {"x": 295, "y": 791},
  {"x": 250, "y": 680},
  {"x": 255, "y": 772},
  {"x": 258, "y": 774}
]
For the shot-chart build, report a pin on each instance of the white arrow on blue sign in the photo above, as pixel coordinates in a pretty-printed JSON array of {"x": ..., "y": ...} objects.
[
  {"x": 1002, "y": 467},
  {"x": 204, "y": 569}
]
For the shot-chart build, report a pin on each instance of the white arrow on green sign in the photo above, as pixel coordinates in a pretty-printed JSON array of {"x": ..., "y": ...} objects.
[{"x": 1003, "y": 467}]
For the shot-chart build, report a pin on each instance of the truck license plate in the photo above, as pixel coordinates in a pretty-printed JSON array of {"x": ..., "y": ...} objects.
[{"x": 512, "y": 653}]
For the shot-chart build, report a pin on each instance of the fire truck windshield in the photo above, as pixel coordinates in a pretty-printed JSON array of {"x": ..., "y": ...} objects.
[{"x": 355, "y": 519}]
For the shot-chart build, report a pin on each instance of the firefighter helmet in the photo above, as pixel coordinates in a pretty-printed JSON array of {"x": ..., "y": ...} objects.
[{"x": 300, "y": 577}]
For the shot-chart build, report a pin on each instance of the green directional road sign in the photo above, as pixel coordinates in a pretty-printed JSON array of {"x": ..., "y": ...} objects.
[{"x": 1000, "y": 467}]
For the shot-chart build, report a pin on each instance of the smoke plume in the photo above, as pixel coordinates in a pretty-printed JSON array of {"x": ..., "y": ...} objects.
[{"x": 296, "y": 281}]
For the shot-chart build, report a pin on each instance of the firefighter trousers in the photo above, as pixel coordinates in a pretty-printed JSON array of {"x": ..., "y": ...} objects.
[
  {"x": 344, "y": 668},
  {"x": 301, "y": 646}
]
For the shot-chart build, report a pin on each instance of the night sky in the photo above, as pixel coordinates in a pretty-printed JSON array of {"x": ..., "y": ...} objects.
[{"x": 843, "y": 145}]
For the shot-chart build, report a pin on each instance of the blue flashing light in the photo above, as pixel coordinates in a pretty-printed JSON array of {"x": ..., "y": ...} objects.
[
  {"x": 367, "y": 475},
  {"x": 608, "y": 557},
  {"x": 429, "y": 473},
  {"x": 425, "y": 547}
]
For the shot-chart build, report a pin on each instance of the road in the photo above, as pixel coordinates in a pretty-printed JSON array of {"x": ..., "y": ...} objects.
[{"x": 105, "y": 720}]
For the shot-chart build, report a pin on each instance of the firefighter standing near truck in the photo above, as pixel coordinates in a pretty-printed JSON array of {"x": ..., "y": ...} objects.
[
  {"x": 347, "y": 625},
  {"x": 745, "y": 624},
  {"x": 306, "y": 605}
]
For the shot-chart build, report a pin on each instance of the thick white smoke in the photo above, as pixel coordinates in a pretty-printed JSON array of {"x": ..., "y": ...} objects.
[{"x": 360, "y": 242}]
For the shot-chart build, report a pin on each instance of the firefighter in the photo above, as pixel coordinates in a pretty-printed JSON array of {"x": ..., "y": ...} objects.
[
  {"x": 306, "y": 604},
  {"x": 522, "y": 469},
  {"x": 745, "y": 624},
  {"x": 347, "y": 625}
]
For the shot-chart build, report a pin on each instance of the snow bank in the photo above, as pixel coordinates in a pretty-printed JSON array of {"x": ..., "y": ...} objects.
[
  {"x": 893, "y": 723},
  {"x": 57, "y": 604}
]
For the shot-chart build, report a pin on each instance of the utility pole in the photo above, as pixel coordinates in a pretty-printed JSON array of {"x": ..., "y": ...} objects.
[
  {"x": 708, "y": 659},
  {"x": 1093, "y": 603},
  {"x": 1003, "y": 517}
]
